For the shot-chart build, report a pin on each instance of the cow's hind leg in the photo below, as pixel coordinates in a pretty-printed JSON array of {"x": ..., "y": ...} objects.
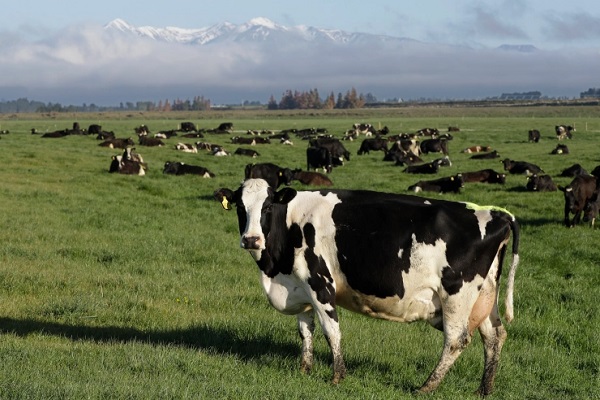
[
  {"x": 456, "y": 339},
  {"x": 306, "y": 328},
  {"x": 493, "y": 335}
]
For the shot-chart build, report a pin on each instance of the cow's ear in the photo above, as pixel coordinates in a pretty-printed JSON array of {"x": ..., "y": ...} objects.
[
  {"x": 225, "y": 197},
  {"x": 285, "y": 195}
]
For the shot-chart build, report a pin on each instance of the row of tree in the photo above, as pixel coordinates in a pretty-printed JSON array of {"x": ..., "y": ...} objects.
[
  {"x": 289, "y": 100},
  {"x": 312, "y": 100}
]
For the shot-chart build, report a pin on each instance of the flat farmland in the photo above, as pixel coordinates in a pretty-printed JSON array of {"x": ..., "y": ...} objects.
[{"x": 134, "y": 287}]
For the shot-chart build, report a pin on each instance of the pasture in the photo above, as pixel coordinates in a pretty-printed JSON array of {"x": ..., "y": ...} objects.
[{"x": 129, "y": 287}]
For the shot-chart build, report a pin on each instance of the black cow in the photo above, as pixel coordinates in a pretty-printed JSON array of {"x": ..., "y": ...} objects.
[
  {"x": 179, "y": 168},
  {"x": 596, "y": 171},
  {"x": 311, "y": 178},
  {"x": 484, "y": 176},
  {"x": 225, "y": 127},
  {"x": 144, "y": 140},
  {"x": 577, "y": 194},
  {"x": 533, "y": 135},
  {"x": 560, "y": 149},
  {"x": 434, "y": 146},
  {"x": 57, "y": 134},
  {"x": 540, "y": 183},
  {"x": 521, "y": 167},
  {"x": 117, "y": 143},
  {"x": 319, "y": 157},
  {"x": 390, "y": 256},
  {"x": 273, "y": 174},
  {"x": 94, "y": 129},
  {"x": 486, "y": 156},
  {"x": 428, "y": 168},
  {"x": 373, "y": 144},
  {"x": 188, "y": 127},
  {"x": 441, "y": 185},
  {"x": 335, "y": 147},
  {"x": 246, "y": 152},
  {"x": 564, "y": 131},
  {"x": 574, "y": 170},
  {"x": 592, "y": 207}
]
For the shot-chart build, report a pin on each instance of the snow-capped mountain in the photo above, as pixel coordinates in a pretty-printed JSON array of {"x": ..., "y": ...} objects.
[{"x": 256, "y": 30}]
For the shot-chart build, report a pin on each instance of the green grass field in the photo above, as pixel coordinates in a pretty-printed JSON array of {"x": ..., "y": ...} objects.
[{"x": 131, "y": 287}]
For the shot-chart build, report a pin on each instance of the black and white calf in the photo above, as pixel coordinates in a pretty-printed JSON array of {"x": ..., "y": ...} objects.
[{"x": 390, "y": 256}]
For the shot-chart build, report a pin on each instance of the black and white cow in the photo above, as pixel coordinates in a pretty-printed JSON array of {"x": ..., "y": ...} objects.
[
  {"x": 246, "y": 152},
  {"x": 427, "y": 168},
  {"x": 521, "y": 167},
  {"x": 560, "y": 149},
  {"x": 395, "y": 257},
  {"x": 533, "y": 135},
  {"x": 186, "y": 147},
  {"x": 486, "y": 156},
  {"x": 179, "y": 168},
  {"x": 441, "y": 185},
  {"x": 564, "y": 131}
]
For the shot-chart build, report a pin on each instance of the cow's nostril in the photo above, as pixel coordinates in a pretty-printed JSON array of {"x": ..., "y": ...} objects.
[{"x": 250, "y": 242}]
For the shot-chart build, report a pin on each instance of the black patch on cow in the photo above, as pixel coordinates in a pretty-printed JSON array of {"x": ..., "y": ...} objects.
[
  {"x": 452, "y": 280},
  {"x": 278, "y": 257},
  {"x": 320, "y": 279}
]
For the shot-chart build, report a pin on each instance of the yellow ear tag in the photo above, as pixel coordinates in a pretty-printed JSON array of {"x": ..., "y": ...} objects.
[{"x": 225, "y": 203}]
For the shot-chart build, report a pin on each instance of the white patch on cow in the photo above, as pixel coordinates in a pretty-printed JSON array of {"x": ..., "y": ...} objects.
[
  {"x": 400, "y": 252},
  {"x": 254, "y": 194},
  {"x": 427, "y": 202},
  {"x": 483, "y": 217},
  {"x": 285, "y": 293},
  {"x": 206, "y": 175},
  {"x": 417, "y": 189}
]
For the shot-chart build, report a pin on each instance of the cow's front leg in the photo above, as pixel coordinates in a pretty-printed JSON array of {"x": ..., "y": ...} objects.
[{"x": 306, "y": 328}]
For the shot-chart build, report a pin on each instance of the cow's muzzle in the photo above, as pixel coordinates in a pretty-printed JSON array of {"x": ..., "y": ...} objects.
[{"x": 250, "y": 242}]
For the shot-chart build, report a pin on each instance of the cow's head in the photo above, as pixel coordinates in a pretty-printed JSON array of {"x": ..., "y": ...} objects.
[
  {"x": 257, "y": 204},
  {"x": 591, "y": 209}
]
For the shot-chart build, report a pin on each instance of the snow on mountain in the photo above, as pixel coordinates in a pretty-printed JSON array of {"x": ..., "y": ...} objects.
[{"x": 256, "y": 30}]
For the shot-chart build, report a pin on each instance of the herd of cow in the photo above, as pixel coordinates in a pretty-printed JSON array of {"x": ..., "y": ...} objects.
[{"x": 390, "y": 256}]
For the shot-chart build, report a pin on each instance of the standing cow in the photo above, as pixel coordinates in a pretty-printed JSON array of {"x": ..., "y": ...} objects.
[{"x": 395, "y": 257}]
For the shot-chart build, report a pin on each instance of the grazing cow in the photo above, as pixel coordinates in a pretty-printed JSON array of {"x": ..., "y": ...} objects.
[
  {"x": 592, "y": 207},
  {"x": 94, "y": 129},
  {"x": 374, "y": 144},
  {"x": 577, "y": 194},
  {"x": 533, "y": 135},
  {"x": 477, "y": 149},
  {"x": 179, "y": 168},
  {"x": 574, "y": 170},
  {"x": 246, "y": 152},
  {"x": 117, "y": 143},
  {"x": 434, "y": 146},
  {"x": 396, "y": 257},
  {"x": 188, "y": 127},
  {"x": 186, "y": 147},
  {"x": 441, "y": 185},
  {"x": 564, "y": 131},
  {"x": 126, "y": 167},
  {"x": 560, "y": 149},
  {"x": 410, "y": 145},
  {"x": 271, "y": 173},
  {"x": 428, "y": 168},
  {"x": 484, "y": 176},
  {"x": 311, "y": 178},
  {"x": 540, "y": 183},
  {"x": 520, "y": 167},
  {"x": 335, "y": 147},
  {"x": 144, "y": 140},
  {"x": 319, "y": 157},
  {"x": 486, "y": 156}
]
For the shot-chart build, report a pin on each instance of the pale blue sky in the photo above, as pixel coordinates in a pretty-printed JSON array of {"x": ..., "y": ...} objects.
[{"x": 547, "y": 24}]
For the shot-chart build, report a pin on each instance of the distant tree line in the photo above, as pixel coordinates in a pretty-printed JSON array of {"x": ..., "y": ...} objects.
[
  {"x": 23, "y": 105},
  {"x": 311, "y": 99}
]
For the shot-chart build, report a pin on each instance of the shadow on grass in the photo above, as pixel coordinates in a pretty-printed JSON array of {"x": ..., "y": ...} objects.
[{"x": 217, "y": 340}]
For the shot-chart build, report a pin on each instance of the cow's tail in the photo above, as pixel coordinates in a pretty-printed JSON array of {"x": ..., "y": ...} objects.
[{"x": 509, "y": 313}]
